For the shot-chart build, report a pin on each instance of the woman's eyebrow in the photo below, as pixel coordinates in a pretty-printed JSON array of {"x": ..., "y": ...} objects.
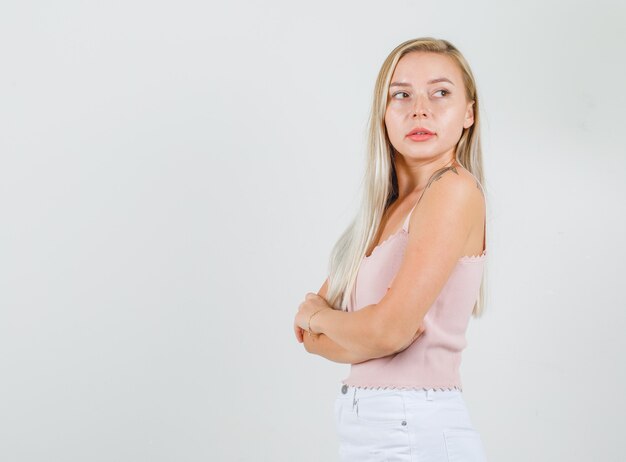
[{"x": 438, "y": 79}]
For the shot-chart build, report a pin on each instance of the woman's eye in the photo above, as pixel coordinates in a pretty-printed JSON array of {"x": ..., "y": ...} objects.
[
  {"x": 400, "y": 93},
  {"x": 445, "y": 91}
]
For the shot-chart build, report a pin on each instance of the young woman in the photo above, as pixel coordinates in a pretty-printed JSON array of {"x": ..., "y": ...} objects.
[{"x": 407, "y": 274}]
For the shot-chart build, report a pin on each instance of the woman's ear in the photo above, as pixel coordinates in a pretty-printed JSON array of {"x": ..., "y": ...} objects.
[{"x": 469, "y": 115}]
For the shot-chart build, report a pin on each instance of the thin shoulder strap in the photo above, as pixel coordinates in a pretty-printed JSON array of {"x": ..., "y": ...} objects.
[
  {"x": 485, "y": 217},
  {"x": 438, "y": 173},
  {"x": 405, "y": 225},
  {"x": 484, "y": 231}
]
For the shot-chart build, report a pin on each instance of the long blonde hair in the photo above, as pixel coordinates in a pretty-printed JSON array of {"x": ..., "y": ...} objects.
[{"x": 380, "y": 180}]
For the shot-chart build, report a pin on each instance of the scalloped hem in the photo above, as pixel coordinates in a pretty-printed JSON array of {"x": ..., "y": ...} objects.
[
  {"x": 384, "y": 243},
  {"x": 480, "y": 256},
  {"x": 404, "y": 387},
  {"x": 403, "y": 232}
]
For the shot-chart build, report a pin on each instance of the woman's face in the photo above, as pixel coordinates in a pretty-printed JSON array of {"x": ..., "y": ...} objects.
[{"x": 415, "y": 100}]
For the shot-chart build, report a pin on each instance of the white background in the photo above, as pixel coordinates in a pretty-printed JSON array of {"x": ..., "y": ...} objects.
[{"x": 174, "y": 174}]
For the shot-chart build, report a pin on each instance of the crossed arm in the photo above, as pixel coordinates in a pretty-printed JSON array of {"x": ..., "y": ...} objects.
[{"x": 322, "y": 345}]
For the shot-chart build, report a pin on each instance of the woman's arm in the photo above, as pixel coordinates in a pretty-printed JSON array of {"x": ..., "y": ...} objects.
[
  {"x": 358, "y": 331},
  {"x": 323, "y": 345}
]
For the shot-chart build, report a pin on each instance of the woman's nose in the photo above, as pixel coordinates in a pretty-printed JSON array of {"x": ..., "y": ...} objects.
[{"x": 420, "y": 107}]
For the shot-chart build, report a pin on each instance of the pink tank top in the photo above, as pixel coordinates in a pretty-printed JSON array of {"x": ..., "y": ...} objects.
[{"x": 434, "y": 358}]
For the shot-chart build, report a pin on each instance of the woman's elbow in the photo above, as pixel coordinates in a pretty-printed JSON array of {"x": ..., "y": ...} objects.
[{"x": 399, "y": 337}]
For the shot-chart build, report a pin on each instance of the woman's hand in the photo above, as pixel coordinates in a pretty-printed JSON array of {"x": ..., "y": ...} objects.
[
  {"x": 299, "y": 331},
  {"x": 311, "y": 304}
]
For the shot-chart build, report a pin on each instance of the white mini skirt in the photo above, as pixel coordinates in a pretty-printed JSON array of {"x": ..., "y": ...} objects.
[{"x": 385, "y": 425}]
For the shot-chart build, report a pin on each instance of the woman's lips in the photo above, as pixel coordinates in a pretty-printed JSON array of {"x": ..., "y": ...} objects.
[{"x": 424, "y": 137}]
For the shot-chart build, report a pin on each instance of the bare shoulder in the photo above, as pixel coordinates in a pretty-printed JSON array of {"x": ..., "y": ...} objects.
[
  {"x": 452, "y": 187},
  {"x": 451, "y": 207},
  {"x": 457, "y": 178}
]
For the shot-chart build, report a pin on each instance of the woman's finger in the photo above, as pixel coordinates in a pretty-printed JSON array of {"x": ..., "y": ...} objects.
[{"x": 298, "y": 332}]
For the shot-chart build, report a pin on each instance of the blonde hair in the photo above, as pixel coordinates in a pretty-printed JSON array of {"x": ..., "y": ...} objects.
[{"x": 380, "y": 180}]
